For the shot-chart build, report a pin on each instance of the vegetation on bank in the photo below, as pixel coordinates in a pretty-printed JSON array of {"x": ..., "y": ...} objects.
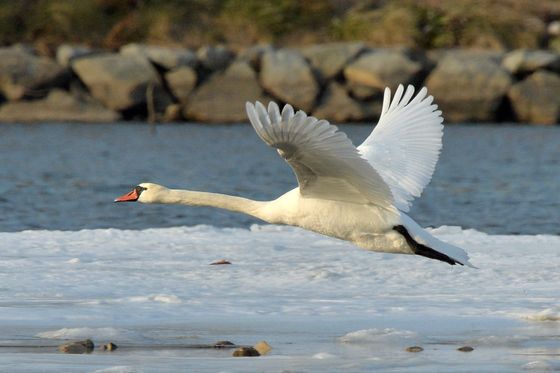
[{"x": 489, "y": 24}]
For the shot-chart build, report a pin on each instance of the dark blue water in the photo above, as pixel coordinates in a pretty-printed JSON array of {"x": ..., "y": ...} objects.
[{"x": 497, "y": 179}]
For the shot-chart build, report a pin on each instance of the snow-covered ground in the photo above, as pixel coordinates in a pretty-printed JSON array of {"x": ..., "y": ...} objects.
[{"x": 322, "y": 304}]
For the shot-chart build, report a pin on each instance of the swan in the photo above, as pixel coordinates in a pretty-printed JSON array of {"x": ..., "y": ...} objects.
[{"x": 358, "y": 194}]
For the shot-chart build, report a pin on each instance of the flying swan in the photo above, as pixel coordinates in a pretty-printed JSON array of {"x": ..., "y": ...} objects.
[{"x": 358, "y": 194}]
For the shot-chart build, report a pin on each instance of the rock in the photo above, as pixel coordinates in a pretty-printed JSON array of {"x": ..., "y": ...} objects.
[
  {"x": 223, "y": 344},
  {"x": 172, "y": 113},
  {"x": 66, "y": 53},
  {"x": 286, "y": 75},
  {"x": 222, "y": 98},
  {"x": 24, "y": 75},
  {"x": 167, "y": 58},
  {"x": 58, "y": 106},
  {"x": 245, "y": 351},
  {"x": 110, "y": 347},
  {"x": 363, "y": 92},
  {"x": 220, "y": 262},
  {"x": 465, "y": 349},
  {"x": 77, "y": 347},
  {"x": 383, "y": 68},
  {"x": 120, "y": 82},
  {"x": 215, "y": 58},
  {"x": 468, "y": 87},
  {"x": 524, "y": 61},
  {"x": 181, "y": 81},
  {"x": 537, "y": 98},
  {"x": 262, "y": 348},
  {"x": 336, "y": 106},
  {"x": 414, "y": 349},
  {"x": 254, "y": 54},
  {"x": 329, "y": 59}
]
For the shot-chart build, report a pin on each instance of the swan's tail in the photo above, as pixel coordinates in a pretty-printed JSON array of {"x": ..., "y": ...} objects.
[{"x": 424, "y": 244}]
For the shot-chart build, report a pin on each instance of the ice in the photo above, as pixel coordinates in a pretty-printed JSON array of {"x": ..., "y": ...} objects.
[{"x": 322, "y": 304}]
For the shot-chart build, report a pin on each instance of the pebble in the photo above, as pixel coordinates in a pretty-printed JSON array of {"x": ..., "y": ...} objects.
[
  {"x": 220, "y": 262},
  {"x": 465, "y": 349},
  {"x": 414, "y": 349},
  {"x": 223, "y": 344},
  {"x": 77, "y": 347},
  {"x": 246, "y": 351},
  {"x": 110, "y": 346},
  {"x": 262, "y": 347}
]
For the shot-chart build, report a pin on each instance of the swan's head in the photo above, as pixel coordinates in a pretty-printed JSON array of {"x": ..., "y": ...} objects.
[{"x": 145, "y": 193}]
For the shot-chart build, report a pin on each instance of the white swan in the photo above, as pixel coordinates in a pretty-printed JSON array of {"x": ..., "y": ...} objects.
[{"x": 355, "y": 194}]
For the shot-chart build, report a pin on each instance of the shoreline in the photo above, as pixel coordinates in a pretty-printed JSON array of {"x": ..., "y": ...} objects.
[{"x": 341, "y": 82}]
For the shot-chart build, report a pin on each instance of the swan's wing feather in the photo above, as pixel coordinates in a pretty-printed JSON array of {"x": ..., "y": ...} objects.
[
  {"x": 326, "y": 163},
  {"x": 405, "y": 144}
]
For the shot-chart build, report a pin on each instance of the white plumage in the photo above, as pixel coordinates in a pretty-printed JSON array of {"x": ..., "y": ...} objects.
[{"x": 355, "y": 194}]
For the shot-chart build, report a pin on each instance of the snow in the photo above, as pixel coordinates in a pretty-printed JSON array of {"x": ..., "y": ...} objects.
[{"x": 322, "y": 304}]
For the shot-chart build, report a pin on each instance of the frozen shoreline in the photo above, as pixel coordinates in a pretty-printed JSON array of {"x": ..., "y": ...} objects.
[{"x": 321, "y": 303}]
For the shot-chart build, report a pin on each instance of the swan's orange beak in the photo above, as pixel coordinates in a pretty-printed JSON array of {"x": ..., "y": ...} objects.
[{"x": 129, "y": 197}]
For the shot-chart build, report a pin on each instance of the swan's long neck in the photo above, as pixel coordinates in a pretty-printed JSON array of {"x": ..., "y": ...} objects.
[{"x": 222, "y": 201}]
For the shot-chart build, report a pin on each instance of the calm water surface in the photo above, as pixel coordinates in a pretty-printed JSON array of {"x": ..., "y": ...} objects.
[{"x": 497, "y": 179}]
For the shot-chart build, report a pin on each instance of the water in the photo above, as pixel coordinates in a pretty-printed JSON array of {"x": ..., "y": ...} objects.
[{"x": 497, "y": 179}]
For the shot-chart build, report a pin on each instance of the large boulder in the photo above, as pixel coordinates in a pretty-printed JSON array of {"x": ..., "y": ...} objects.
[
  {"x": 215, "y": 58},
  {"x": 167, "y": 58},
  {"x": 58, "y": 106},
  {"x": 181, "y": 81},
  {"x": 537, "y": 98},
  {"x": 336, "y": 106},
  {"x": 329, "y": 59},
  {"x": 383, "y": 68},
  {"x": 222, "y": 98},
  {"x": 287, "y": 75},
  {"x": 120, "y": 82},
  {"x": 523, "y": 61},
  {"x": 469, "y": 87},
  {"x": 23, "y": 74},
  {"x": 66, "y": 53}
]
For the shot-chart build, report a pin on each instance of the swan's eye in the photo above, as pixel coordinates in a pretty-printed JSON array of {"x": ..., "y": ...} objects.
[{"x": 139, "y": 189}]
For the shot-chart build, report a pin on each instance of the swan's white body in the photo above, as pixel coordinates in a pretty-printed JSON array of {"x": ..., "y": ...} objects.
[{"x": 354, "y": 194}]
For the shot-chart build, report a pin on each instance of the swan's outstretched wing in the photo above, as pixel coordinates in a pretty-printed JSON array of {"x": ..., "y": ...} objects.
[
  {"x": 405, "y": 144},
  {"x": 326, "y": 163}
]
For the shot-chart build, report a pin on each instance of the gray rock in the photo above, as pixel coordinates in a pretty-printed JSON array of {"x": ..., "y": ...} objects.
[
  {"x": 336, "y": 106},
  {"x": 363, "y": 92},
  {"x": 223, "y": 344},
  {"x": 329, "y": 59},
  {"x": 245, "y": 351},
  {"x": 254, "y": 54},
  {"x": 77, "y": 347},
  {"x": 58, "y": 106},
  {"x": 167, "y": 58},
  {"x": 23, "y": 74},
  {"x": 537, "y": 98},
  {"x": 383, "y": 68},
  {"x": 215, "y": 58},
  {"x": 222, "y": 98},
  {"x": 120, "y": 82},
  {"x": 523, "y": 61},
  {"x": 435, "y": 56},
  {"x": 181, "y": 81},
  {"x": 66, "y": 53},
  {"x": 287, "y": 75},
  {"x": 468, "y": 87}
]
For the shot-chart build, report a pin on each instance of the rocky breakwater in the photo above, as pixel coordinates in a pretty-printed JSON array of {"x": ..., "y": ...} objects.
[{"x": 341, "y": 82}]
